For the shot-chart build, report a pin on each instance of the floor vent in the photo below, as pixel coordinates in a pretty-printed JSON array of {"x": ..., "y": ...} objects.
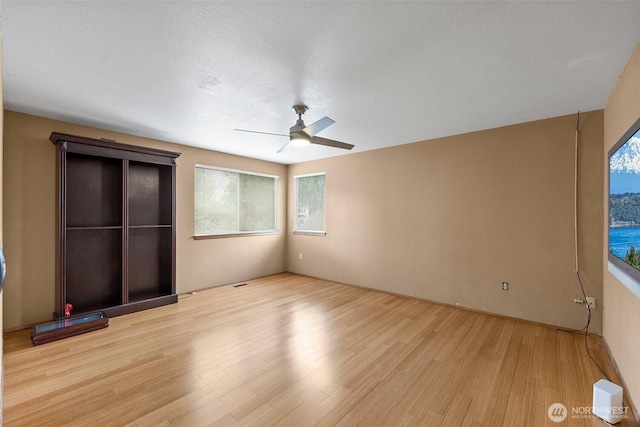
[{"x": 241, "y": 284}]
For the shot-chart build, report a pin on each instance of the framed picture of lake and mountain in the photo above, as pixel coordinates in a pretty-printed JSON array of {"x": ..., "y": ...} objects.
[{"x": 624, "y": 206}]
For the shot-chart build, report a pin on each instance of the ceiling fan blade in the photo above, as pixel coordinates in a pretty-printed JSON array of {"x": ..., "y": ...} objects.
[
  {"x": 283, "y": 148},
  {"x": 263, "y": 133},
  {"x": 331, "y": 143},
  {"x": 317, "y": 127}
]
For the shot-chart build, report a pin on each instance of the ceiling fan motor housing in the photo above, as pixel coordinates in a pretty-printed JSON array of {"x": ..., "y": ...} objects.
[
  {"x": 297, "y": 128},
  {"x": 297, "y": 136}
]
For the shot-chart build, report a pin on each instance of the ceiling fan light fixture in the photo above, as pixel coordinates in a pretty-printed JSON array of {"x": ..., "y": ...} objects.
[{"x": 299, "y": 141}]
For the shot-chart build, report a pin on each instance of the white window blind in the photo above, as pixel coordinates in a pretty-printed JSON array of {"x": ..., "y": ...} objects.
[
  {"x": 310, "y": 203},
  {"x": 229, "y": 202}
]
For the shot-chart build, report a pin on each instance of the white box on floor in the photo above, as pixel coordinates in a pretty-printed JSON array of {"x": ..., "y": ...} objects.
[{"x": 607, "y": 401}]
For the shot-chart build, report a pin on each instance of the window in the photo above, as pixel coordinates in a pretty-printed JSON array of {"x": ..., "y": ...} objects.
[
  {"x": 624, "y": 209},
  {"x": 309, "y": 204},
  {"x": 230, "y": 202}
]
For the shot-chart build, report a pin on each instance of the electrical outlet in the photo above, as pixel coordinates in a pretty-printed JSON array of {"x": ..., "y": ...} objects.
[
  {"x": 591, "y": 303},
  {"x": 505, "y": 286}
]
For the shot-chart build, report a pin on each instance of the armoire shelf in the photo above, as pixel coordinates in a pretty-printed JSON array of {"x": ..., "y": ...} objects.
[{"x": 116, "y": 226}]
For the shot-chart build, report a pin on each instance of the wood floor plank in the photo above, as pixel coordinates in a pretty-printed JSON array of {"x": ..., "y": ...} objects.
[{"x": 291, "y": 350}]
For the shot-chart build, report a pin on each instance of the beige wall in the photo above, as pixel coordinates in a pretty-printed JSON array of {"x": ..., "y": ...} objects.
[
  {"x": 450, "y": 219},
  {"x": 30, "y": 211},
  {"x": 445, "y": 220},
  {"x": 622, "y": 310}
]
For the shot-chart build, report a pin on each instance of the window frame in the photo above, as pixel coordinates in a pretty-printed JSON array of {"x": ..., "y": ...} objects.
[
  {"x": 295, "y": 206},
  {"x": 276, "y": 230}
]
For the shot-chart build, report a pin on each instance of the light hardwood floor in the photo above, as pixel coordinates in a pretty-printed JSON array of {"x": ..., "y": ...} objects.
[{"x": 296, "y": 351}]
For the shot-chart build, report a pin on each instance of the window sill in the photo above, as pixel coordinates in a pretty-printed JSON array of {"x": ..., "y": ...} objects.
[
  {"x": 311, "y": 233},
  {"x": 226, "y": 236},
  {"x": 625, "y": 279}
]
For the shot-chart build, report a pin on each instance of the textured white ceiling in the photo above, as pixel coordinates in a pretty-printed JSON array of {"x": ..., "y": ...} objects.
[{"x": 388, "y": 73}]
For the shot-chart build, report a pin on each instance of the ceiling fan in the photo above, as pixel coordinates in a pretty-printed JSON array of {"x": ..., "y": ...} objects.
[{"x": 301, "y": 135}]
